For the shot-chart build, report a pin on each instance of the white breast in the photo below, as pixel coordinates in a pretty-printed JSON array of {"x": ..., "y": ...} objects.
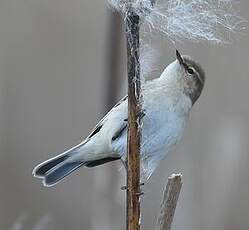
[{"x": 162, "y": 127}]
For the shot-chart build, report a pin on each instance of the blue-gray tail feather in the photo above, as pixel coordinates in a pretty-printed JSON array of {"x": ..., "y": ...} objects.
[
  {"x": 42, "y": 169},
  {"x": 54, "y": 170},
  {"x": 61, "y": 171}
]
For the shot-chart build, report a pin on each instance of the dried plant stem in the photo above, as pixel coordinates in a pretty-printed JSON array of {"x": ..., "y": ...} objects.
[
  {"x": 134, "y": 108},
  {"x": 169, "y": 202}
]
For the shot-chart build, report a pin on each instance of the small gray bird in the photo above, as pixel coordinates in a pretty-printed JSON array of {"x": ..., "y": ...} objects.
[{"x": 167, "y": 102}]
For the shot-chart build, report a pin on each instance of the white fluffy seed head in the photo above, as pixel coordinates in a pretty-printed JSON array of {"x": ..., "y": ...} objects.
[{"x": 210, "y": 20}]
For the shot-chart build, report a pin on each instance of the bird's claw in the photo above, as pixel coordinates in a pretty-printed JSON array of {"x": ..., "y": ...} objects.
[
  {"x": 123, "y": 188},
  {"x": 140, "y": 194},
  {"x": 141, "y": 114}
]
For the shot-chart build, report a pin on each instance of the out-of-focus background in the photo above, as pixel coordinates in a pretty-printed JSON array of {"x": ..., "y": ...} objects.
[{"x": 62, "y": 65}]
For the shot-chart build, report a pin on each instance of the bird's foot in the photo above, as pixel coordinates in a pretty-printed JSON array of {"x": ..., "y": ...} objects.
[
  {"x": 140, "y": 194},
  {"x": 125, "y": 187},
  {"x": 140, "y": 114}
]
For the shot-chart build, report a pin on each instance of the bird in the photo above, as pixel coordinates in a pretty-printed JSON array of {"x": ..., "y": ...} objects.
[{"x": 166, "y": 103}]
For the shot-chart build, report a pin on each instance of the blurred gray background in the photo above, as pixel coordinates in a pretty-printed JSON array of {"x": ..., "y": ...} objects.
[{"x": 57, "y": 62}]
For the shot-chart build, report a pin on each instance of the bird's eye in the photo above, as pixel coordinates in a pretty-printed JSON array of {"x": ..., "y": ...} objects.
[{"x": 190, "y": 71}]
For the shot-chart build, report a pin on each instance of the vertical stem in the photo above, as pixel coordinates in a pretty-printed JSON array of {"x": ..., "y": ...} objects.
[{"x": 134, "y": 108}]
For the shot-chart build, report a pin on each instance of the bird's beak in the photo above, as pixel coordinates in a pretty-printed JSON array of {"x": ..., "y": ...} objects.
[{"x": 179, "y": 58}]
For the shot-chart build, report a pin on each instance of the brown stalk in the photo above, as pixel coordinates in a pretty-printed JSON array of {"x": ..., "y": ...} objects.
[{"x": 134, "y": 132}]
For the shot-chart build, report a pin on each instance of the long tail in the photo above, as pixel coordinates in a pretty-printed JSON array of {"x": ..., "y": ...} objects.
[{"x": 55, "y": 169}]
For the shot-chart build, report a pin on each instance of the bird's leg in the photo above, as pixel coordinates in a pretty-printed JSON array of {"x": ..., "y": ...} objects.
[
  {"x": 140, "y": 194},
  {"x": 126, "y": 168},
  {"x": 140, "y": 114},
  {"x": 123, "y": 188},
  {"x": 125, "y": 163}
]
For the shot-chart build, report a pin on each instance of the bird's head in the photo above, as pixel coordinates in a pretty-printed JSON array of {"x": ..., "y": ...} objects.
[{"x": 191, "y": 75}]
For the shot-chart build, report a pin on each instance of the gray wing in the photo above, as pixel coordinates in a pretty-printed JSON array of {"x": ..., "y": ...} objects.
[
  {"x": 108, "y": 138},
  {"x": 120, "y": 114}
]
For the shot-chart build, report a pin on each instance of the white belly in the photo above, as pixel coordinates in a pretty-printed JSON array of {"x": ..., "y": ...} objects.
[{"x": 161, "y": 130}]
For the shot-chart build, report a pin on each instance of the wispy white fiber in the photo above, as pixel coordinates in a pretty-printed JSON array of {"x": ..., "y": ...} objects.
[
  {"x": 210, "y": 20},
  {"x": 148, "y": 61}
]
